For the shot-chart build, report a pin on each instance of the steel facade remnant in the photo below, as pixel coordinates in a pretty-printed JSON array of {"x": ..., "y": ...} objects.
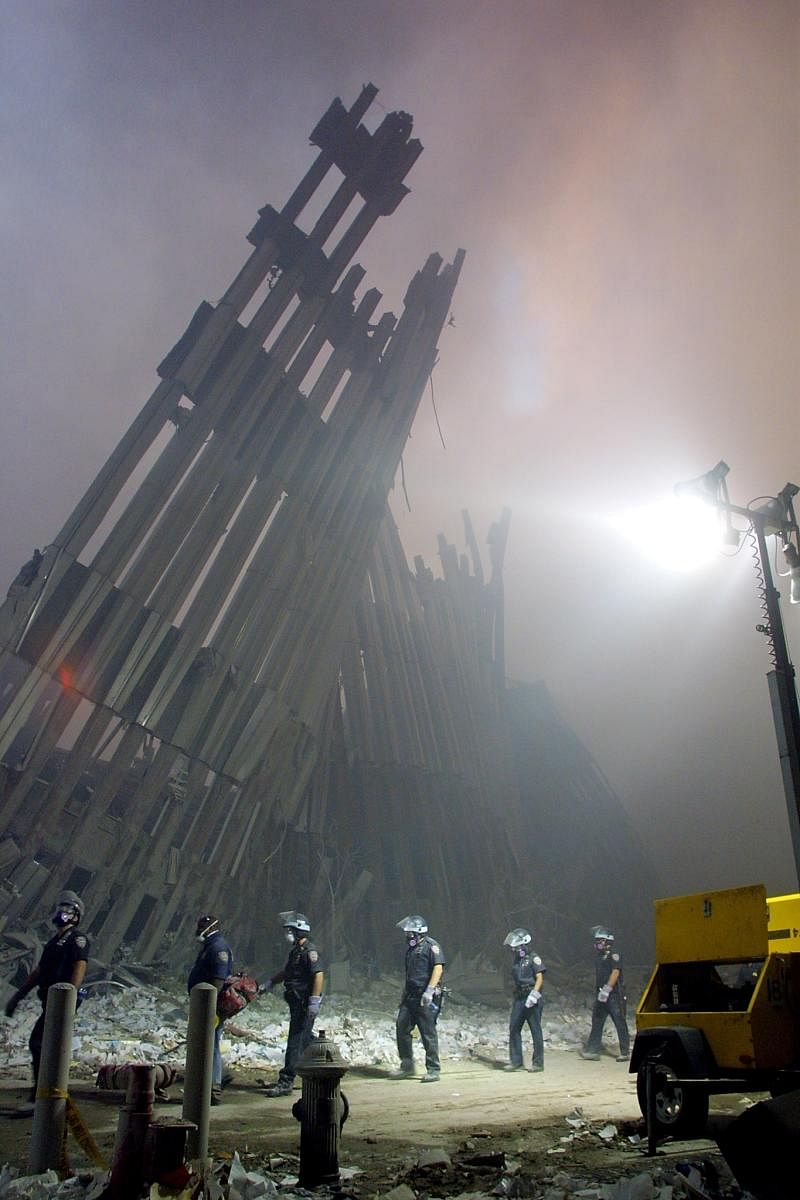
[
  {"x": 167, "y": 661},
  {"x": 222, "y": 688}
]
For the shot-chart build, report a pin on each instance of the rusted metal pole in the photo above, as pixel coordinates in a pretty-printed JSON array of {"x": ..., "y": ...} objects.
[
  {"x": 136, "y": 1114},
  {"x": 199, "y": 1063},
  {"x": 50, "y": 1113}
]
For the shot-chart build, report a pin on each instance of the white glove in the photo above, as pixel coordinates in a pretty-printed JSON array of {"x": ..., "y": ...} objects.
[
  {"x": 603, "y": 994},
  {"x": 426, "y": 999},
  {"x": 264, "y": 988},
  {"x": 313, "y": 1005},
  {"x": 532, "y": 998}
]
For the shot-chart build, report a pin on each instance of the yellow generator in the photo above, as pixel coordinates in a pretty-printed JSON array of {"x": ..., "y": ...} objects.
[{"x": 721, "y": 1012}]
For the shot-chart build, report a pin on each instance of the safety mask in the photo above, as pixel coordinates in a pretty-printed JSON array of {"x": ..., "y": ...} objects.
[
  {"x": 412, "y": 940},
  {"x": 520, "y": 951},
  {"x": 64, "y": 917},
  {"x": 600, "y": 947}
]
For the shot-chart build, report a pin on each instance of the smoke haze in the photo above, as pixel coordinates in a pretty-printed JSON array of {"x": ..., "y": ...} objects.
[{"x": 625, "y": 178}]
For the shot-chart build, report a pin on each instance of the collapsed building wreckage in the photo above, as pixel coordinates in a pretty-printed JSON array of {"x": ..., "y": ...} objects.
[{"x": 221, "y": 686}]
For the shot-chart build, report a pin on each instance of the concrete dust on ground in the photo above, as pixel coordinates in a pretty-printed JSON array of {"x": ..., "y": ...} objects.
[{"x": 577, "y": 1121}]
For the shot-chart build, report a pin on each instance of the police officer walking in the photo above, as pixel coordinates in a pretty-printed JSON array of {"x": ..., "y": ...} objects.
[
  {"x": 610, "y": 999},
  {"x": 303, "y": 980},
  {"x": 63, "y": 960},
  {"x": 527, "y": 974},
  {"x": 214, "y": 963},
  {"x": 421, "y": 1001}
]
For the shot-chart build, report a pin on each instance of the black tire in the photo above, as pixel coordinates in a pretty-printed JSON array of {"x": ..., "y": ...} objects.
[{"x": 680, "y": 1112}]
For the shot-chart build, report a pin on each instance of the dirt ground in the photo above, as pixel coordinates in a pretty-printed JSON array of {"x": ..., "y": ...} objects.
[{"x": 390, "y": 1122}]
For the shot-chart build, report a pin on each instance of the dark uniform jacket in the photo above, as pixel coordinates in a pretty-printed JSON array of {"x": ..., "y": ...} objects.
[
  {"x": 420, "y": 961},
  {"x": 524, "y": 972},
  {"x": 215, "y": 961},
  {"x": 301, "y": 967},
  {"x": 605, "y": 963},
  {"x": 59, "y": 957}
]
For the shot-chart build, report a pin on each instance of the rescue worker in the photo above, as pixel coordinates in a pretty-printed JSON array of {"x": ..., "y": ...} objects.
[
  {"x": 527, "y": 975},
  {"x": 610, "y": 999},
  {"x": 303, "y": 979},
  {"x": 421, "y": 1001},
  {"x": 214, "y": 963},
  {"x": 63, "y": 960}
]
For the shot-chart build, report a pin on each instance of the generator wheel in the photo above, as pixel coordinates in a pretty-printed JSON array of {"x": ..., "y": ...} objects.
[{"x": 680, "y": 1112}]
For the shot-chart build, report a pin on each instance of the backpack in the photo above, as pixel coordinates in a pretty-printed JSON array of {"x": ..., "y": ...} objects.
[{"x": 235, "y": 994}]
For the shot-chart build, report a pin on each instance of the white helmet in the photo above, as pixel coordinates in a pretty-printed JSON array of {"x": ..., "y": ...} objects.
[
  {"x": 415, "y": 924},
  {"x": 601, "y": 934},
  {"x": 295, "y": 920},
  {"x": 517, "y": 937}
]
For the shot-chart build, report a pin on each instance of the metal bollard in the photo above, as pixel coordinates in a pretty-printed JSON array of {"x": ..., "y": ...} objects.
[
  {"x": 199, "y": 1066},
  {"x": 50, "y": 1113},
  {"x": 127, "y": 1167},
  {"x": 321, "y": 1112}
]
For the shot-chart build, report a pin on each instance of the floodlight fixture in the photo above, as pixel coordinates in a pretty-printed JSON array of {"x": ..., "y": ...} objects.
[{"x": 710, "y": 487}]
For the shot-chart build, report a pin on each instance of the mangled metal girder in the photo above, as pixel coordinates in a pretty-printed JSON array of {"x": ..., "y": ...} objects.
[{"x": 166, "y": 662}]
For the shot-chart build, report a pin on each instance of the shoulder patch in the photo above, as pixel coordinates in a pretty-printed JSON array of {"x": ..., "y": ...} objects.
[
  {"x": 313, "y": 956},
  {"x": 614, "y": 956},
  {"x": 80, "y": 942},
  {"x": 435, "y": 948},
  {"x": 536, "y": 960}
]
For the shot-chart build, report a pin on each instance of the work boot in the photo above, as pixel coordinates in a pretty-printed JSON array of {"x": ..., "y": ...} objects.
[
  {"x": 227, "y": 1079},
  {"x": 430, "y": 1077},
  {"x": 536, "y": 1068},
  {"x": 216, "y": 1095},
  {"x": 404, "y": 1071},
  {"x": 590, "y": 1055},
  {"x": 623, "y": 1058},
  {"x": 512, "y": 1066},
  {"x": 281, "y": 1088}
]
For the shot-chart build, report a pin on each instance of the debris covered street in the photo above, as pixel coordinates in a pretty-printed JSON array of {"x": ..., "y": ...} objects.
[{"x": 574, "y": 1130}]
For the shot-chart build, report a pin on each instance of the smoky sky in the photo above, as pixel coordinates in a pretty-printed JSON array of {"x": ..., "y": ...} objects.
[{"x": 625, "y": 180}]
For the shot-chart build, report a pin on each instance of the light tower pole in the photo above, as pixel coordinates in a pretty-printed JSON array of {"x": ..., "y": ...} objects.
[{"x": 774, "y": 518}]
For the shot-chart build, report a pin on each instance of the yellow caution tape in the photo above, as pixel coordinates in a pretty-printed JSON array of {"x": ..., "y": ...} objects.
[
  {"x": 78, "y": 1128},
  {"x": 83, "y": 1137},
  {"x": 52, "y": 1093}
]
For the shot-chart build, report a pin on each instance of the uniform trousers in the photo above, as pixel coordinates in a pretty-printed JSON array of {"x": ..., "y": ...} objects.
[
  {"x": 412, "y": 1013},
  {"x": 35, "y": 1043},
  {"x": 301, "y": 1025},
  {"x": 520, "y": 1015},
  {"x": 216, "y": 1065},
  {"x": 614, "y": 1008}
]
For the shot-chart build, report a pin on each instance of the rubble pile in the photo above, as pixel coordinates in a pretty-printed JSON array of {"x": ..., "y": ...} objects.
[
  {"x": 464, "y": 1175},
  {"x": 148, "y": 1024}
]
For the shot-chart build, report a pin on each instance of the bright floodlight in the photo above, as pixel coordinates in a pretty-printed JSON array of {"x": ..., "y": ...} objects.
[
  {"x": 679, "y": 533},
  {"x": 793, "y": 563}
]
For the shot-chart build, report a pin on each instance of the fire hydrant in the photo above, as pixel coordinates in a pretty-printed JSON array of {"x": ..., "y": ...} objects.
[{"x": 322, "y": 1112}]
